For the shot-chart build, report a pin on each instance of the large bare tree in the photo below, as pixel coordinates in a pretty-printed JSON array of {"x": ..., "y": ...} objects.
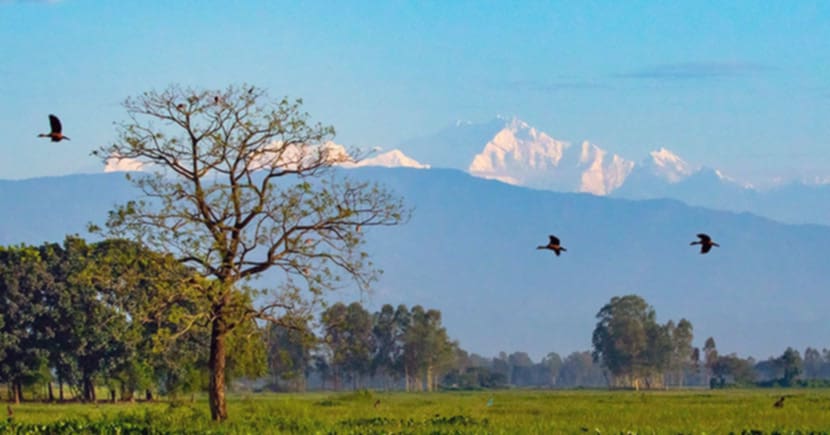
[{"x": 234, "y": 184}]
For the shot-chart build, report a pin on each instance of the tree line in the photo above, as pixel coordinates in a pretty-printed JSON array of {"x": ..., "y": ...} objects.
[
  {"x": 406, "y": 349},
  {"x": 118, "y": 316},
  {"x": 636, "y": 351}
]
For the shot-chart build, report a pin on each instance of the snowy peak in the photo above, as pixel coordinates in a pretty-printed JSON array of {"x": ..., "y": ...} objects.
[
  {"x": 392, "y": 159},
  {"x": 514, "y": 148},
  {"x": 668, "y": 165},
  {"x": 602, "y": 176},
  {"x": 516, "y": 153},
  {"x": 520, "y": 154}
]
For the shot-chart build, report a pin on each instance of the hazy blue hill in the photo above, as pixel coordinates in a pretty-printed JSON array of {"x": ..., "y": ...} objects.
[
  {"x": 791, "y": 203},
  {"x": 46, "y": 209},
  {"x": 469, "y": 250}
]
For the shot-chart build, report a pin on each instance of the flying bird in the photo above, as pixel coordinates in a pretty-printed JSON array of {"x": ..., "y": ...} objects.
[
  {"x": 553, "y": 245},
  {"x": 55, "y": 127},
  {"x": 779, "y": 403},
  {"x": 705, "y": 243}
]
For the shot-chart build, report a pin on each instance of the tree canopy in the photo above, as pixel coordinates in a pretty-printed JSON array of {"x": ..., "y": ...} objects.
[{"x": 241, "y": 184}]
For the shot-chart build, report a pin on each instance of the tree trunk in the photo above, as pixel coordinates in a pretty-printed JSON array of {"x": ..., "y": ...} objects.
[
  {"x": 406, "y": 379},
  {"x": 112, "y": 395},
  {"x": 89, "y": 391},
  {"x": 127, "y": 394},
  {"x": 60, "y": 389},
  {"x": 429, "y": 377},
  {"x": 18, "y": 392},
  {"x": 51, "y": 392},
  {"x": 216, "y": 365},
  {"x": 148, "y": 395}
]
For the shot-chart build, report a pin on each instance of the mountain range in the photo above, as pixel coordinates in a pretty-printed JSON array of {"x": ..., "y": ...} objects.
[
  {"x": 512, "y": 151},
  {"x": 470, "y": 251}
]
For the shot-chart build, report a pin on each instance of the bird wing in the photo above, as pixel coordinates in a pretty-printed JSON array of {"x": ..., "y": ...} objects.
[
  {"x": 705, "y": 248},
  {"x": 554, "y": 240},
  {"x": 704, "y": 238},
  {"x": 55, "y": 123}
]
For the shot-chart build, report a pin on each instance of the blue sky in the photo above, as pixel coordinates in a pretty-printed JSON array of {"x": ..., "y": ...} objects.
[{"x": 743, "y": 86}]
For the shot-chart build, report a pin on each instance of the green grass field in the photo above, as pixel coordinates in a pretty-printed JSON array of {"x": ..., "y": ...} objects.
[{"x": 509, "y": 412}]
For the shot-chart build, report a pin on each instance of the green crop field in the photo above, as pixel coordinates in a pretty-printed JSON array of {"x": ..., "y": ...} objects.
[{"x": 499, "y": 412}]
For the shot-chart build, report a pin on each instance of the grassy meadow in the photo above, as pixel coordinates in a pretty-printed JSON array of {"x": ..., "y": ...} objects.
[{"x": 498, "y": 412}]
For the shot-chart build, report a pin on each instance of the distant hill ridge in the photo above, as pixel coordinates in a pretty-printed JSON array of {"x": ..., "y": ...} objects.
[{"x": 469, "y": 250}]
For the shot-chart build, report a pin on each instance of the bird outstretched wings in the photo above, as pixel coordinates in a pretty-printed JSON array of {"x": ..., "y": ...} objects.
[{"x": 55, "y": 124}]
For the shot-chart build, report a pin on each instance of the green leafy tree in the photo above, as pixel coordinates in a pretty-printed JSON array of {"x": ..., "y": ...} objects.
[
  {"x": 630, "y": 343},
  {"x": 549, "y": 369},
  {"x": 24, "y": 287},
  {"x": 388, "y": 348},
  {"x": 289, "y": 353},
  {"x": 402, "y": 364},
  {"x": 349, "y": 336},
  {"x": 710, "y": 357},
  {"x": 812, "y": 363},
  {"x": 428, "y": 350},
  {"x": 580, "y": 370},
  {"x": 732, "y": 369},
  {"x": 521, "y": 369},
  {"x": 791, "y": 366},
  {"x": 241, "y": 185},
  {"x": 621, "y": 338}
]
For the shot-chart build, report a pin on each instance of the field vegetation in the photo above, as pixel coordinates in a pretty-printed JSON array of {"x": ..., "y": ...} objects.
[{"x": 507, "y": 411}]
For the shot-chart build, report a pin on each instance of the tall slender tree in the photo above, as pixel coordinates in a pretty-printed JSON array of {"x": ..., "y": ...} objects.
[{"x": 241, "y": 185}]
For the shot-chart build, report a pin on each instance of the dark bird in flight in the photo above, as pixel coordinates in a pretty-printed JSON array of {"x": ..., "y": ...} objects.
[
  {"x": 553, "y": 245},
  {"x": 56, "y": 128},
  {"x": 705, "y": 243},
  {"x": 779, "y": 403}
]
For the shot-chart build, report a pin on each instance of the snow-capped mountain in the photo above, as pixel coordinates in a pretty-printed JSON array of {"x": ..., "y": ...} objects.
[
  {"x": 667, "y": 165},
  {"x": 514, "y": 152},
  {"x": 392, "y": 159},
  {"x": 522, "y": 155}
]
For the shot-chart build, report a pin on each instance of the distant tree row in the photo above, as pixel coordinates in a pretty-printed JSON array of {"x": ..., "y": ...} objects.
[
  {"x": 404, "y": 348},
  {"x": 636, "y": 351},
  {"x": 354, "y": 346},
  {"x": 118, "y": 316}
]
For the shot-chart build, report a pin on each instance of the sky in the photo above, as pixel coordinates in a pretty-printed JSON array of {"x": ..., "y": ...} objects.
[{"x": 742, "y": 86}]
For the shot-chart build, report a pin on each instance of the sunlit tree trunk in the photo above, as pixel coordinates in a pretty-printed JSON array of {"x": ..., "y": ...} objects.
[
  {"x": 216, "y": 365},
  {"x": 429, "y": 377},
  {"x": 18, "y": 392}
]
